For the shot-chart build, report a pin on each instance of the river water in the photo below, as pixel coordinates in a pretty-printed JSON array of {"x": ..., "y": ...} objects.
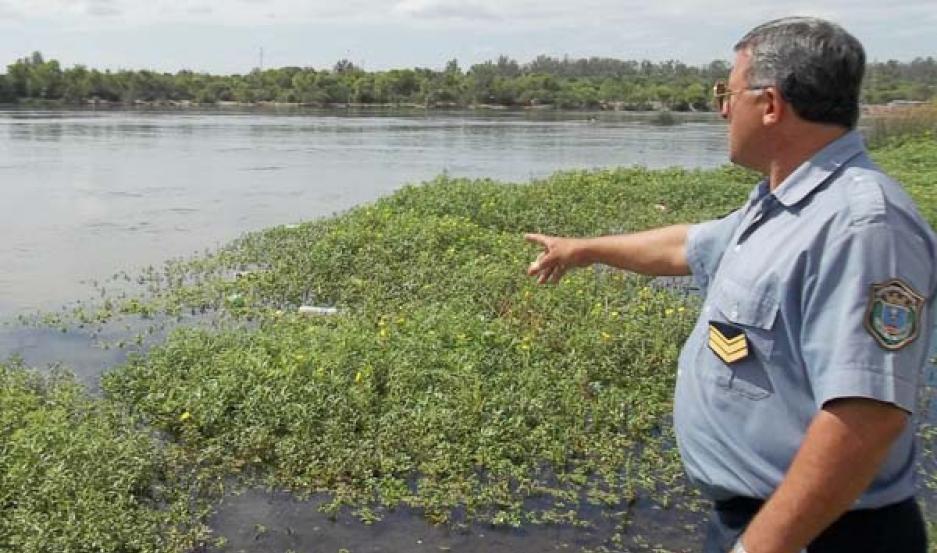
[{"x": 84, "y": 194}]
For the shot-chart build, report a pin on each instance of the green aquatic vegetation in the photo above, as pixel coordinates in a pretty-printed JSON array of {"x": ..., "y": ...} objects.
[
  {"x": 441, "y": 406},
  {"x": 448, "y": 381},
  {"x": 79, "y": 475},
  {"x": 913, "y": 162}
]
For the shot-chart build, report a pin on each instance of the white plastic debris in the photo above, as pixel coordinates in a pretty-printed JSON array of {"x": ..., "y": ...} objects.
[{"x": 317, "y": 310}]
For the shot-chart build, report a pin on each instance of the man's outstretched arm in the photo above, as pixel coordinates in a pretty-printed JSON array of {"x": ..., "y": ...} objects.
[{"x": 658, "y": 252}]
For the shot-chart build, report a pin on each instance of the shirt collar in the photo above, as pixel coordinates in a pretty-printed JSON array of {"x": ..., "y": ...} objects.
[
  {"x": 761, "y": 190},
  {"x": 816, "y": 170}
]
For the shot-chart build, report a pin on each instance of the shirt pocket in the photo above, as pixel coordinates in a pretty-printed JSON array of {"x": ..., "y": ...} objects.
[{"x": 753, "y": 308}]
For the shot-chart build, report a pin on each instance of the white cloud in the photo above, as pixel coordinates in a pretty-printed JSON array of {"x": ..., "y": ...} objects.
[
  {"x": 102, "y": 8},
  {"x": 445, "y": 9},
  {"x": 219, "y": 34},
  {"x": 7, "y": 12},
  {"x": 508, "y": 13},
  {"x": 200, "y": 10}
]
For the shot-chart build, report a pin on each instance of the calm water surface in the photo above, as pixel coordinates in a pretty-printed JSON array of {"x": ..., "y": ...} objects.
[{"x": 88, "y": 193}]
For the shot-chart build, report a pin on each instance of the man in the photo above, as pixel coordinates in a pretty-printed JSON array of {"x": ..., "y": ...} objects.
[{"x": 794, "y": 390}]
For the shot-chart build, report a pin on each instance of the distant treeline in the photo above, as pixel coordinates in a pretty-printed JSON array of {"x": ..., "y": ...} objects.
[{"x": 594, "y": 83}]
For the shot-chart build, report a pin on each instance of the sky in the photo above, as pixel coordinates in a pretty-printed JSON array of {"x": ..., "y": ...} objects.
[{"x": 227, "y": 36}]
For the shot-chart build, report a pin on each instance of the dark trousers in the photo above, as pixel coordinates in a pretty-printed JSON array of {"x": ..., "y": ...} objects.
[{"x": 896, "y": 528}]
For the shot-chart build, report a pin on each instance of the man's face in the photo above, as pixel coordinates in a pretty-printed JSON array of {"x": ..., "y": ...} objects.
[{"x": 743, "y": 112}]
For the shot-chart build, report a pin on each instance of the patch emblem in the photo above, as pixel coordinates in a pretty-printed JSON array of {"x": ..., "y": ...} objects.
[
  {"x": 728, "y": 342},
  {"x": 893, "y": 316}
]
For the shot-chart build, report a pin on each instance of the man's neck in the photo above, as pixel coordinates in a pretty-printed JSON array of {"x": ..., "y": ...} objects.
[{"x": 794, "y": 148}]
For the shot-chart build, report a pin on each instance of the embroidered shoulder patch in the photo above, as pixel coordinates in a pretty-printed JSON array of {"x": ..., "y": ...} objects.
[{"x": 893, "y": 315}]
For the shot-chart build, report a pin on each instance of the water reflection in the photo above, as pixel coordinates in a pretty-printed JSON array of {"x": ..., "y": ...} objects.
[{"x": 75, "y": 350}]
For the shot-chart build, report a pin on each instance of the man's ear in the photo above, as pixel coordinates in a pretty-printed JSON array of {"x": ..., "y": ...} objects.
[{"x": 773, "y": 106}]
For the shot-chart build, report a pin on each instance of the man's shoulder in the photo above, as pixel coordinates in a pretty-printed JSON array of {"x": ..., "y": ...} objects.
[{"x": 869, "y": 196}]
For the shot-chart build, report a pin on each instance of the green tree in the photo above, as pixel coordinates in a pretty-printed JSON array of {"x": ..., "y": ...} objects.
[
  {"x": 343, "y": 67},
  {"x": 6, "y": 90},
  {"x": 695, "y": 97},
  {"x": 399, "y": 85},
  {"x": 364, "y": 90},
  {"x": 77, "y": 84},
  {"x": 570, "y": 83}
]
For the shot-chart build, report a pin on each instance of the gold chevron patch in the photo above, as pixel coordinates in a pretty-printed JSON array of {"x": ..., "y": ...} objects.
[{"x": 728, "y": 342}]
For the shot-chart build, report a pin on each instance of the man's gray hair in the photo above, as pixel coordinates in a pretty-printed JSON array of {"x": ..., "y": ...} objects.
[{"x": 816, "y": 65}]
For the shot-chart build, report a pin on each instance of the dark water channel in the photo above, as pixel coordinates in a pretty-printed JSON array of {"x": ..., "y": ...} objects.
[{"x": 273, "y": 521}]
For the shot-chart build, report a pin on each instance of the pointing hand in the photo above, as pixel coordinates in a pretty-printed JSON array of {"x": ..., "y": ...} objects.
[{"x": 557, "y": 257}]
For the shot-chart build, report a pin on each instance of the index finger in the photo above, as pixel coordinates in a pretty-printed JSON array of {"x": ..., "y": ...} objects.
[{"x": 534, "y": 238}]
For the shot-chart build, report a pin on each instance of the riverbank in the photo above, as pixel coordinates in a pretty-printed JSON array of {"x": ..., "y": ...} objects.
[
  {"x": 448, "y": 383},
  {"x": 654, "y": 107},
  {"x": 869, "y": 110}
]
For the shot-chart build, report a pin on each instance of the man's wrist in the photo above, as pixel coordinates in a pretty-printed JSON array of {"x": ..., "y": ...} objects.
[{"x": 583, "y": 253}]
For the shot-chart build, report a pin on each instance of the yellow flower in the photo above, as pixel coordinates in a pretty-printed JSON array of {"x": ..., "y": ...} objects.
[
  {"x": 606, "y": 336},
  {"x": 358, "y": 377},
  {"x": 668, "y": 312},
  {"x": 185, "y": 416}
]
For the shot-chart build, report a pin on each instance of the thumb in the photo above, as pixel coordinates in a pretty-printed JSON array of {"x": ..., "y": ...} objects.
[{"x": 537, "y": 264}]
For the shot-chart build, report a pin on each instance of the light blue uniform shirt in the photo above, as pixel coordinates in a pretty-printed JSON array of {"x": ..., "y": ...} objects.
[{"x": 794, "y": 270}]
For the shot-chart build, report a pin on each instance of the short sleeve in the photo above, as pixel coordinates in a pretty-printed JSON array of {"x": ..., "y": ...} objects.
[
  {"x": 866, "y": 318},
  {"x": 706, "y": 242}
]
